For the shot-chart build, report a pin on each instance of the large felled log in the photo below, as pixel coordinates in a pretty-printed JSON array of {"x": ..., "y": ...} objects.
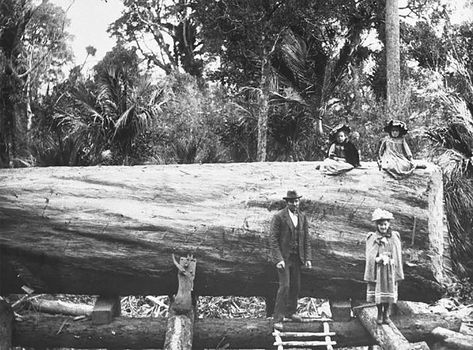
[
  {"x": 453, "y": 339},
  {"x": 111, "y": 230},
  {"x": 143, "y": 333},
  {"x": 387, "y": 335}
]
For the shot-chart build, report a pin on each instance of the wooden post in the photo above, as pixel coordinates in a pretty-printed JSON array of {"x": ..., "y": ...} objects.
[
  {"x": 6, "y": 325},
  {"x": 386, "y": 335},
  {"x": 180, "y": 325},
  {"x": 270, "y": 302},
  {"x": 105, "y": 309}
]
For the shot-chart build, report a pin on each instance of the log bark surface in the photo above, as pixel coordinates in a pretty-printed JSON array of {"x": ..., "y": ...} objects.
[
  {"x": 387, "y": 336},
  {"x": 181, "y": 317},
  {"x": 6, "y": 326},
  {"x": 60, "y": 307},
  {"x": 145, "y": 333},
  {"x": 111, "y": 230},
  {"x": 453, "y": 339}
]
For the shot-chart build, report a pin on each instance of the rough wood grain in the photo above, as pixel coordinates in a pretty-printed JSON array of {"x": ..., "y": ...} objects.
[
  {"x": 6, "y": 326},
  {"x": 388, "y": 336},
  {"x": 180, "y": 325},
  {"x": 105, "y": 309},
  {"x": 453, "y": 339},
  {"x": 60, "y": 307},
  {"x": 111, "y": 230},
  {"x": 49, "y": 331}
]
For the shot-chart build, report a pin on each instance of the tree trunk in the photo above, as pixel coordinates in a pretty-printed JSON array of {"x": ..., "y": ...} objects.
[
  {"x": 48, "y": 331},
  {"x": 112, "y": 230},
  {"x": 263, "y": 101},
  {"x": 453, "y": 339},
  {"x": 393, "y": 72}
]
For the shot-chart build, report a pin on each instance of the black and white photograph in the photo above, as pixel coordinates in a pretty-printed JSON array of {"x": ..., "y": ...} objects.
[{"x": 236, "y": 174}]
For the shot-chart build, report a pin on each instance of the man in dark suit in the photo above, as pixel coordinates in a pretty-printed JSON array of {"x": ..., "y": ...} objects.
[{"x": 290, "y": 246}]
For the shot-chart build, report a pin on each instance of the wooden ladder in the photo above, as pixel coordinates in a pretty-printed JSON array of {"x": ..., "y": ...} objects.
[{"x": 304, "y": 339}]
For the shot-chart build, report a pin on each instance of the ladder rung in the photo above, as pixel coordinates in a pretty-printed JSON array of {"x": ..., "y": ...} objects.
[
  {"x": 304, "y": 343},
  {"x": 304, "y": 334}
]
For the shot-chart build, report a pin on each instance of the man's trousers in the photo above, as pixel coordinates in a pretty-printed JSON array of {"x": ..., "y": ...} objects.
[{"x": 289, "y": 287}]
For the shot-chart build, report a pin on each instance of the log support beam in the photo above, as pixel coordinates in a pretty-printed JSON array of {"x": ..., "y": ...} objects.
[
  {"x": 60, "y": 307},
  {"x": 6, "y": 326},
  {"x": 452, "y": 339},
  {"x": 41, "y": 331},
  {"x": 180, "y": 325},
  {"x": 105, "y": 309},
  {"x": 388, "y": 336},
  {"x": 341, "y": 310}
]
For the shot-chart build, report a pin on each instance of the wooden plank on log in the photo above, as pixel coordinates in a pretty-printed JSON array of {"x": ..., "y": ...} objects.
[
  {"x": 60, "y": 307},
  {"x": 341, "y": 310},
  {"x": 51, "y": 217},
  {"x": 387, "y": 336},
  {"x": 453, "y": 339},
  {"x": 6, "y": 325},
  {"x": 41, "y": 330},
  {"x": 105, "y": 309},
  {"x": 180, "y": 325}
]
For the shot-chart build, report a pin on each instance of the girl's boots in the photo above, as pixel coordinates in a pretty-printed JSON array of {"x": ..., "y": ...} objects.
[
  {"x": 385, "y": 313},
  {"x": 379, "y": 319}
]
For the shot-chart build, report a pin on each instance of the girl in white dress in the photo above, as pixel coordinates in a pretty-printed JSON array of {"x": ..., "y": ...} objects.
[{"x": 394, "y": 155}]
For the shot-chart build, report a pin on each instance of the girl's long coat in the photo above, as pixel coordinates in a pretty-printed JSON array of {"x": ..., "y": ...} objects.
[{"x": 373, "y": 249}]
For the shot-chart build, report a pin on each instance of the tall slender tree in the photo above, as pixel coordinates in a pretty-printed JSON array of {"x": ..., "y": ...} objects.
[
  {"x": 33, "y": 44},
  {"x": 393, "y": 73}
]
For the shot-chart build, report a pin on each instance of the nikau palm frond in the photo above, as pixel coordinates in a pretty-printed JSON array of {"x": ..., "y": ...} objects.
[{"x": 453, "y": 150}]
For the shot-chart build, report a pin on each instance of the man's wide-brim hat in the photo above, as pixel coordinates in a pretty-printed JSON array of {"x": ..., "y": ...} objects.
[
  {"x": 380, "y": 214},
  {"x": 340, "y": 127},
  {"x": 396, "y": 124},
  {"x": 291, "y": 194}
]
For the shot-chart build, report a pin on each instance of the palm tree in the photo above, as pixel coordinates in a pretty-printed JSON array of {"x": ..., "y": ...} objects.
[{"x": 110, "y": 115}]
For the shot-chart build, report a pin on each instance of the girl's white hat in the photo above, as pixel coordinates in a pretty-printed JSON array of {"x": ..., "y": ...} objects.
[{"x": 380, "y": 214}]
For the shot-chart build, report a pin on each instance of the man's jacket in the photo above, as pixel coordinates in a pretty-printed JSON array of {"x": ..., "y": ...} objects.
[{"x": 282, "y": 231}]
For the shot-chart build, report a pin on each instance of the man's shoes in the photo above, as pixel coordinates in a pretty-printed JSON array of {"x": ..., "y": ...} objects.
[{"x": 295, "y": 318}]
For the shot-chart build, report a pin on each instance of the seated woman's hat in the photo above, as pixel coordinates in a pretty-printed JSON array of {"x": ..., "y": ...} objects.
[
  {"x": 396, "y": 124},
  {"x": 381, "y": 214},
  {"x": 340, "y": 127}
]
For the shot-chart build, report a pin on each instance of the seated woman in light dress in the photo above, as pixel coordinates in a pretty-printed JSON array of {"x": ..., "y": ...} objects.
[
  {"x": 342, "y": 155},
  {"x": 394, "y": 155}
]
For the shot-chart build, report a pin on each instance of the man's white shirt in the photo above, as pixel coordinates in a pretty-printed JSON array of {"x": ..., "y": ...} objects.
[{"x": 294, "y": 218}]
